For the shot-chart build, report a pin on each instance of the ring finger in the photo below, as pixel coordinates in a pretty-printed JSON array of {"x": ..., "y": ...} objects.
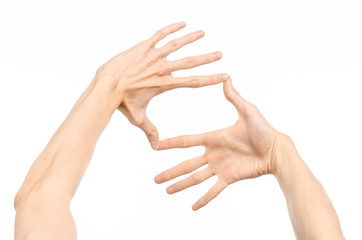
[{"x": 192, "y": 180}]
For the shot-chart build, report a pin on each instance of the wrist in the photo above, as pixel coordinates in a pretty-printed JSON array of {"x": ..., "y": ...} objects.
[
  {"x": 289, "y": 168},
  {"x": 284, "y": 154},
  {"x": 109, "y": 88}
]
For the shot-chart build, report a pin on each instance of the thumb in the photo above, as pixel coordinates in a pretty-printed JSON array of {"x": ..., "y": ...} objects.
[
  {"x": 151, "y": 132},
  {"x": 233, "y": 96}
]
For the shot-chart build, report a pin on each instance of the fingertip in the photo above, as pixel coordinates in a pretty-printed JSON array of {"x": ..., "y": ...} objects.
[
  {"x": 170, "y": 190},
  {"x": 195, "y": 207},
  {"x": 224, "y": 77},
  {"x": 228, "y": 82},
  {"x": 151, "y": 132},
  {"x": 181, "y": 24},
  {"x": 218, "y": 54},
  {"x": 227, "y": 85},
  {"x": 154, "y": 144},
  {"x": 200, "y": 33},
  {"x": 157, "y": 179}
]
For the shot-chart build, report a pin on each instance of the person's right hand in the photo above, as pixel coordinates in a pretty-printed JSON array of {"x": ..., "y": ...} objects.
[
  {"x": 143, "y": 72},
  {"x": 244, "y": 150}
]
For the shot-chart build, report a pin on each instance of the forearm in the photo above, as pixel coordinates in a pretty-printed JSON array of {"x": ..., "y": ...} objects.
[
  {"x": 311, "y": 212},
  {"x": 62, "y": 163}
]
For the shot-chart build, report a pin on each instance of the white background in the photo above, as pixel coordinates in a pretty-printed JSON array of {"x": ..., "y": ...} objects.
[{"x": 300, "y": 62}]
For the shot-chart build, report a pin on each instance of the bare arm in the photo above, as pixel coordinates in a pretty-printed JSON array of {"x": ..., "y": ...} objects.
[
  {"x": 252, "y": 148},
  {"x": 310, "y": 210},
  {"x": 126, "y": 82},
  {"x": 42, "y": 204}
]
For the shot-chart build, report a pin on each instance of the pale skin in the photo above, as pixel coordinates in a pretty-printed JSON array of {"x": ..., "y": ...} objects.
[
  {"x": 128, "y": 82},
  {"x": 248, "y": 149}
]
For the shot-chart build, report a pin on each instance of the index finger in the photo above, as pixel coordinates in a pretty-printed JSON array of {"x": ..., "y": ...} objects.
[
  {"x": 162, "y": 33},
  {"x": 184, "y": 141}
]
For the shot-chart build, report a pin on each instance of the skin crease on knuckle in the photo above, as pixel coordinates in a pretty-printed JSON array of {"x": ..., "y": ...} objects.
[
  {"x": 189, "y": 62},
  {"x": 229, "y": 94},
  {"x": 184, "y": 141},
  {"x": 188, "y": 166},
  {"x": 197, "y": 177},
  {"x": 160, "y": 34},
  {"x": 174, "y": 45},
  {"x": 193, "y": 83}
]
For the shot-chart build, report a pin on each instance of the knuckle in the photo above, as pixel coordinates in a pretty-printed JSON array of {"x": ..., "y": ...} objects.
[
  {"x": 162, "y": 69},
  {"x": 173, "y": 45},
  {"x": 150, "y": 134},
  {"x": 144, "y": 45},
  {"x": 104, "y": 70},
  {"x": 159, "y": 34},
  {"x": 190, "y": 62},
  {"x": 162, "y": 33},
  {"x": 213, "y": 192},
  {"x": 166, "y": 175},
  {"x": 184, "y": 141},
  {"x": 197, "y": 178},
  {"x": 194, "y": 83},
  {"x": 176, "y": 187},
  {"x": 229, "y": 95},
  {"x": 187, "y": 166},
  {"x": 154, "y": 55}
]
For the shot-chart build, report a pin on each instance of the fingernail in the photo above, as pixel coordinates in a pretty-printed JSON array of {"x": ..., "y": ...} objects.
[
  {"x": 153, "y": 144},
  {"x": 223, "y": 77},
  {"x": 200, "y": 33},
  {"x": 218, "y": 55},
  {"x": 182, "y": 24}
]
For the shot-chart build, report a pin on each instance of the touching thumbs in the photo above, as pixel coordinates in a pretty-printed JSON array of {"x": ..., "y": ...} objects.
[
  {"x": 151, "y": 132},
  {"x": 233, "y": 96}
]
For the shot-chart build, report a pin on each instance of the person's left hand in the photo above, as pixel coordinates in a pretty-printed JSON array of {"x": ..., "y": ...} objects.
[
  {"x": 143, "y": 72},
  {"x": 241, "y": 151}
]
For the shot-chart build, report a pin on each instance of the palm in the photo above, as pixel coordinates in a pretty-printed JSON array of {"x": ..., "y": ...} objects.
[
  {"x": 244, "y": 153},
  {"x": 244, "y": 150}
]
